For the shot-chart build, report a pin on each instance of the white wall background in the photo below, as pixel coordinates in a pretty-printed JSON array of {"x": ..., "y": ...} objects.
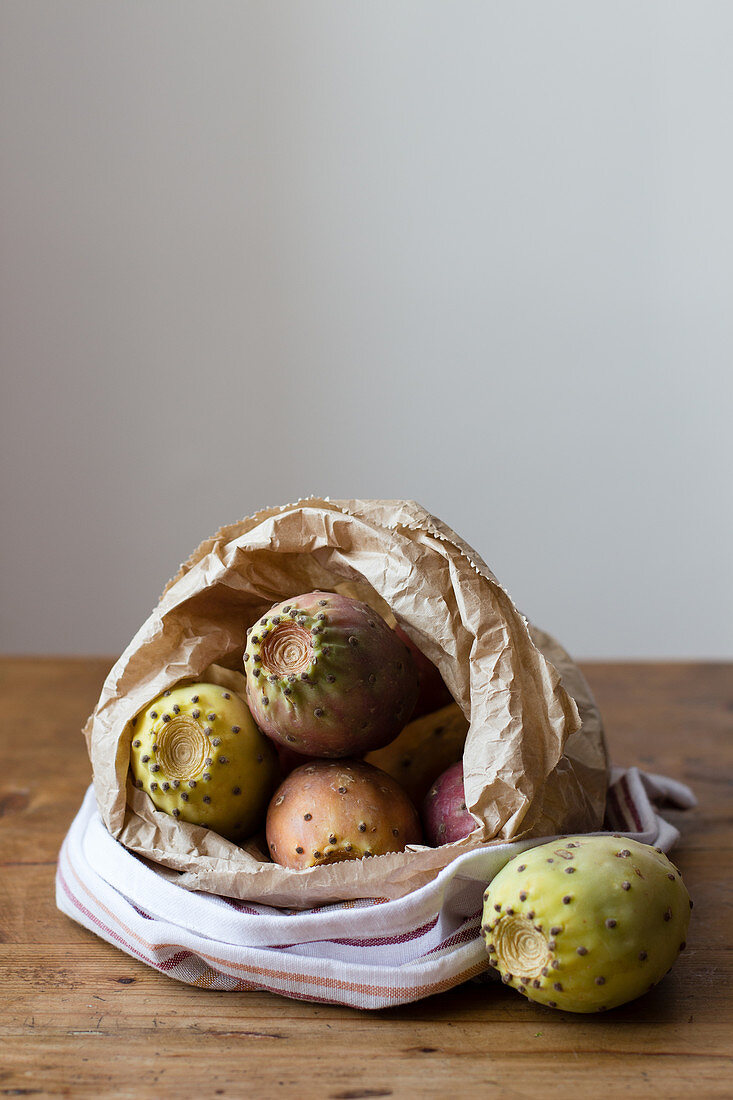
[{"x": 477, "y": 254}]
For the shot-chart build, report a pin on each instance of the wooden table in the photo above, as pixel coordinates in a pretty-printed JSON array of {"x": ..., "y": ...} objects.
[{"x": 79, "y": 1018}]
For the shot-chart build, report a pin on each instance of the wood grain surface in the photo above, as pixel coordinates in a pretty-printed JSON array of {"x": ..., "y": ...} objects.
[{"x": 80, "y": 1018}]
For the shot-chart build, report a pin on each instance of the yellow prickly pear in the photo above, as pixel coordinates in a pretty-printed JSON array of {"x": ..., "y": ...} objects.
[
  {"x": 198, "y": 754},
  {"x": 586, "y": 923}
]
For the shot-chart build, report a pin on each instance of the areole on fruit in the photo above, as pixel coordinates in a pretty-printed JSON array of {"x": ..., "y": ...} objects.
[{"x": 335, "y": 854}]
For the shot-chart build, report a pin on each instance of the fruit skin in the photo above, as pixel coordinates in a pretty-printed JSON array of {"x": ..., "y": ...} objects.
[
  {"x": 198, "y": 754},
  {"x": 327, "y": 677},
  {"x": 586, "y": 923},
  {"x": 444, "y": 814},
  {"x": 289, "y": 760},
  {"x": 432, "y": 693},
  {"x": 333, "y": 810},
  {"x": 423, "y": 750}
]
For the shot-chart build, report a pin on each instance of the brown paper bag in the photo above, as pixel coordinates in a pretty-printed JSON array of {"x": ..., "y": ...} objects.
[{"x": 534, "y": 760}]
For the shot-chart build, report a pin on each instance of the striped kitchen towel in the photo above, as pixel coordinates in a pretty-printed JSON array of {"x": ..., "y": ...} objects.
[{"x": 366, "y": 954}]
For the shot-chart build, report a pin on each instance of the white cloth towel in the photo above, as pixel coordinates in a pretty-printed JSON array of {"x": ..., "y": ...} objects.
[{"x": 367, "y": 954}]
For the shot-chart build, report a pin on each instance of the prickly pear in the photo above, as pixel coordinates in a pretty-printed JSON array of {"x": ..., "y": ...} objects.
[
  {"x": 423, "y": 750},
  {"x": 586, "y": 923},
  {"x": 199, "y": 755},
  {"x": 327, "y": 677},
  {"x": 289, "y": 760},
  {"x": 444, "y": 814},
  {"x": 432, "y": 693},
  {"x": 333, "y": 810}
]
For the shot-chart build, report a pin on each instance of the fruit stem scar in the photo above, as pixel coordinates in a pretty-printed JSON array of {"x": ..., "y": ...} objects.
[{"x": 287, "y": 650}]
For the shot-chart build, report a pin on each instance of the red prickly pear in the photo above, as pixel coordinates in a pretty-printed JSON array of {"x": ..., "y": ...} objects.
[
  {"x": 432, "y": 692},
  {"x": 326, "y": 676},
  {"x": 333, "y": 810},
  {"x": 289, "y": 760},
  {"x": 445, "y": 817}
]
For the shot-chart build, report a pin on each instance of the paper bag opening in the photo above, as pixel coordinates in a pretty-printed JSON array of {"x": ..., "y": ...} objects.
[{"x": 535, "y": 761}]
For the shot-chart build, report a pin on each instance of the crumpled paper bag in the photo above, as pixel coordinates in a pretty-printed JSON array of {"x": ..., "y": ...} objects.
[{"x": 535, "y": 761}]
